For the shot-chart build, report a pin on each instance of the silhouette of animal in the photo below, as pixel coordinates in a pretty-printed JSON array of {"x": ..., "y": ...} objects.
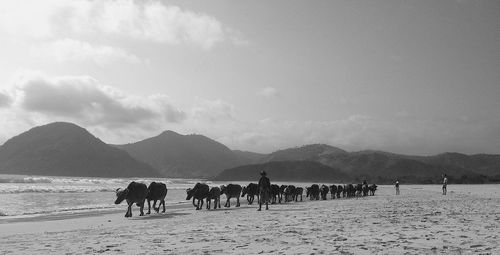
[
  {"x": 365, "y": 190},
  {"x": 333, "y": 191},
  {"x": 275, "y": 193},
  {"x": 340, "y": 191},
  {"x": 199, "y": 192},
  {"x": 359, "y": 189},
  {"x": 134, "y": 193},
  {"x": 214, "y": 194},
  {"x": 313, "y": 192},
  {"x": 372, "y": 189},
  {"x": 324, "y": 191},
  {"x": 282, "y": 192},
  {"x": 290, "y": 193},
  {"x": 298, "y": 192},
  {"x": 251, "y": 191},
  {"x": 157, "y": 191},
  {"x": 350, "y": 190},
  {"x": 231, "y": 190}
]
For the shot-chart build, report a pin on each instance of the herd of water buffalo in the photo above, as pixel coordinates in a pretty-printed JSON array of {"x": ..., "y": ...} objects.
[{"x": 139, "y": 193}]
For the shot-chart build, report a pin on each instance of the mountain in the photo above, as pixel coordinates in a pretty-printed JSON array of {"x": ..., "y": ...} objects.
[
  {"x": 65, "y": 149},
  {"x": 187, "y": 156},
  {"x": 384, "y": 167},
  {"x": 484, "y": 164},
  {"x": 312, "y": 152},
  {"x": 248, "y": 156},
  {"x": 284, "y": 171}
]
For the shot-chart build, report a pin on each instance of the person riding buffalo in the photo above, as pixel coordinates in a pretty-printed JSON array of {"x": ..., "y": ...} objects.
[{"x": 264, "y": 190}]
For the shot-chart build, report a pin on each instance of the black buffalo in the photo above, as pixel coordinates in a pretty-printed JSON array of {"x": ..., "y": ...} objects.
[
  {"x": 359, "y": 189},
  {"x": 372, "y": 189},
  {"x": 324, "y": 191},
  {"x": 340, "y": 191},
  {"x": 275, "y": 193},
  {"x": 214, "y": 194},
  {"x": 350, "y": 190},
  {"x": 365, "y": 190},
  {"x": 157, "y": 191},
  {"x": 333, "y": 191},
  {"x": 298, "y": 192},
  {"x": 290, "y": 193},
  {"x": 250, "y": 191},
  {"x": 134, "y": 193},
  {"x": 200, "y": 191},
  {"x": 313, "y": 192},
  {"x": 282, "y": 192},
  {"x": 231, "y": 190}
]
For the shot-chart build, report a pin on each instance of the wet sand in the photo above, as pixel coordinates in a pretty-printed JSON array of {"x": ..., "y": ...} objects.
[{"x": 419, "y": 221}]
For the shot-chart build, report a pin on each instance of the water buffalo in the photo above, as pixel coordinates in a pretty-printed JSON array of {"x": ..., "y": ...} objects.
[
  {"x": 350, "y": 190},
  {"x": 251, "y": 191},
  {"x": 313, "y": 192},
  {"x": 200, "y": 191},
  {"x": 340, "y": 190},
  {"x": 365, "y": 190},
  {"x": 157, "y": 191},
  {"x": 214, "y": 194},
  {"x": 333, "y": 190},
  {"x": 290, "y": 193},
  {"x": 275, "y": 193},
  {"x": 231, "y": 190},
  {"x": 324, "y": 192},
  {"x": 134, "y": 193},
  {"x": 282, "y": 192},
  {"x": 372, "y": 189},
  {"x": 359, "y": 189},
  {"x": 298, "y": 192}
]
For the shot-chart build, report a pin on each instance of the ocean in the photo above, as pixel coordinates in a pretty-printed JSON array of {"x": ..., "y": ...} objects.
[{"x": 28, "y": 196}]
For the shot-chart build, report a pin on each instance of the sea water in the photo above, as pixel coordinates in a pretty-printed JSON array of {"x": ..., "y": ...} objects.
[
  {"x": 26, "y": 196},
  {"x": 30, "y": 196}
]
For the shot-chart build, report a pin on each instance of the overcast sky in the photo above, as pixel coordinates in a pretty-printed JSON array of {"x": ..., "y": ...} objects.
[{"x": 412, "y": 77}]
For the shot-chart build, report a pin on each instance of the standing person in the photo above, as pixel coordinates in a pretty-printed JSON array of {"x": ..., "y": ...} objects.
[
  {"x": 397, "y": 187},
  {"x": 445, "y": 183},
  {"x": 264, "y": 190}
]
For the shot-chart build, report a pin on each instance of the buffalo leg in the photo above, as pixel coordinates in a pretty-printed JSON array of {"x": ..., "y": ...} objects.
[
  {"x": 154, "y": 206},
  {"x": 142, "y": 208},
  {"x": 129, "y": 211},
  {"x": 163, "y": 203},
  {"x": 238, "y": 201},
  {"x": 149, "y": 207}
]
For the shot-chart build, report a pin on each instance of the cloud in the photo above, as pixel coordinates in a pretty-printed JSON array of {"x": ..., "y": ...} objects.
[
  {"x": 151, "y": 21},
  {"x": 212, "y": 111},
  {"x": 268, "y": 92},
  {"x": 86, "y": 100},
  {"x": 5, "y": 100},
  {"x": 71, "y": 50}
]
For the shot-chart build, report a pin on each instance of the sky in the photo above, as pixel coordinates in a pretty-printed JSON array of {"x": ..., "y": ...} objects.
[{"x": 410, "y": 77}]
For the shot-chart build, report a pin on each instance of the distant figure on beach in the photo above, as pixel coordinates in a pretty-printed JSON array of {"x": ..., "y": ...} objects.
[
  {"x": 264, "y": 190},
  {"x": 445, "y": 183},
  {"x": 397, "y": 187}
]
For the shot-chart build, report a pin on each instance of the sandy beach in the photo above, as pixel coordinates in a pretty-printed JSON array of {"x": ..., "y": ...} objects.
[{"x": 419, "y": 221}]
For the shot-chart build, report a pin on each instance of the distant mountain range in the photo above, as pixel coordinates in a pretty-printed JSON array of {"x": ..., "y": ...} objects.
[
  {"x": 187, "y": 156},
  {"x": 67, "y": 149},
  {"x": 284, "y": 171}
]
